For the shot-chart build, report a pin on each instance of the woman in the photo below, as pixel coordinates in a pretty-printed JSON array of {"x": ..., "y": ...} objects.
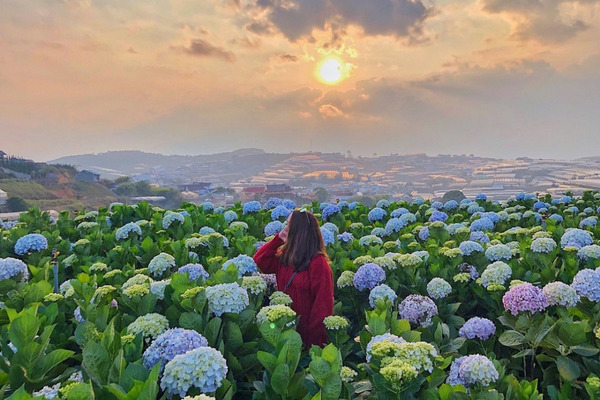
[{"x": 302, "y": 272}]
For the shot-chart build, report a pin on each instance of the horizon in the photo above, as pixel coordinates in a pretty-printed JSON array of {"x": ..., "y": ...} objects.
[{"x": 488, "y": 77}]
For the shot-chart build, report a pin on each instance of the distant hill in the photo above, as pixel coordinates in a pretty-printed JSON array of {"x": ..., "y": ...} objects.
[{"x": 113, "y": 164}]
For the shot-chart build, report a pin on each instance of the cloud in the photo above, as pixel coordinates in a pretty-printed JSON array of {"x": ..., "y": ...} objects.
[
  {"x": 329, "y": 111},
  {"x": 202, "y": 48},
  {"x": 288, "y": 57},
  {"x": 542, "y": 21},
  {"x": 297, "y": 19}
]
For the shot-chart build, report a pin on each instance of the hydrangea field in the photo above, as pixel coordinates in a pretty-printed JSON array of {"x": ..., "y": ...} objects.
[{"x": 469, "y": 300}]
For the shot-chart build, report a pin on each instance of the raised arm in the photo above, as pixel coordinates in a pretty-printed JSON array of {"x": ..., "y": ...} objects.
[
  {"x": 321, "y": 287},
  {"x": 265, "y": 258}
]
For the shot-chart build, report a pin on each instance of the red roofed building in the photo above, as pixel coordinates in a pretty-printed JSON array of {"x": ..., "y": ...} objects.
[{"x": 253, "y": 193}]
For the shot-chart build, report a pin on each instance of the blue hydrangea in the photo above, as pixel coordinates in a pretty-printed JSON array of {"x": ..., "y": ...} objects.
[
  {"x": 465, "y": 201},
  {"x": 368, "y": 276},
  {"x": 588, "y": 210},
  {"x": 370, "y": 240},
  {"x": 244, "y": 264},
  {"x": 381, "y": 293},
  {"x": 437, "y": 205},
  {"x": 328, "y": 236},
  {"x": 498, "y": 252},
  {"x": 203, "y": 368},
  {"x": 353, "y": 205},
  {"x": 11, "y": 267},
  {"x": 574, "y": 237},
  {"x": 543, "y": 245},
  {"x": 289, "y": 204},
  {"x": 345, "y": 237},
  {"x": 219, "y": 210},
  {"x": 574, "y": 209},
  {"x": 438, "y": 216},
  {"x": 496, "y": 273},
  {"x": 207, "y": 206},
  {"x": 170, "y": 217},
  {"x": 251, "y": 207},
  {"x": 480, "y": 328},
  {"x": 438, "y": 288},
  {"x": 394, "y": 225},
  {"x": 329, "y": 211},
  {"x": 324, "y": 205},
  {"x": 556, "y": 217},
  {"x": 418, "y": 310},
  {"x": 555, "y": 202},
  {"x": 520, "y": 196},
  {"x": 206, "y": 230},
  {"x": 474, "y": 207},
  {"x": 226, "y": 298},
  {"x": 453, "y": 228},
  {"x": 424, "y": 233},
  {"x": 280, "y": 212},
  {"x": 161, "y": 263},
  {"x": 481, "y": 197},
  {"x": 482, "y": 224},
  {"x": 194, "y": 271},
  {"x": 272, "y": 203},
  {"x": 273, "y": 228},
  {"x": 450, "y": 205},
  {"x": 587, "y": 284},
  {"x": 230, "y": 216},
  {"x": 492, "y": 216},
  {"x": 170, "y": 344},
  {"x": 376, "y": 214},
  {"x": 379, "y": 232},
  {"x": 343, "y": 204},
  {"x": 566, "y": 199},
  {"x": 30, "y": 243},
  {"x": 471, "y": 370},
  {"x": 409, "y": 218},
  {"x": 588, "y": 222},
  {"x": 331, "y": 227},
  {"x": 590, "y": 251},
  {"x": 398, "y": 212},
  {"x": 418, "y": 201},
  {"x": 383, "y": 203},
  {"x": 539, "y": 205},
  {"x": 468, "y": 247}
]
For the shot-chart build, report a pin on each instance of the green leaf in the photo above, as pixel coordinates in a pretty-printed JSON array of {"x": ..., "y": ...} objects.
[
  {"x": 212, "y": 330},
  {"x": 50, "y": 361},
  {"x": 399, "y": 326},
  {"x": 233, "y": 336},
  {"x": 586, "y": 350},
  {"x": 511, "y": 338},
  {"x": 96, "y": 362},
  {"x": 332, "y": 388},
  {"x": 319, "y": 369},
  {"x": 190, "y": 320},
  {"x": 24, "y": 328},
  {"x": 20, "y": 394},
  {"x": 280, "y": 379},
  {"x": 268, "y": 360},
  {"x": 569, "y": 370},
  {"x": 572, "y": 333}
]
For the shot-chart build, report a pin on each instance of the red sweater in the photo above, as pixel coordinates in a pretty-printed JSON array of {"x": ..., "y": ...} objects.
[{"x": 311, "y": 290}]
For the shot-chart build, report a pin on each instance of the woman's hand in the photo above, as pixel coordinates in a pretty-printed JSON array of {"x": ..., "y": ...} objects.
[{"x": 284, "y": 233}]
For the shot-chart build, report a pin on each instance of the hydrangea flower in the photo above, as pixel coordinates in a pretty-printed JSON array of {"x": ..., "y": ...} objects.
[
  {"x": 335, "y": 323},
  {"x": 279, "y": 298},
  {"x": 561, "y": 294},
  {"x": 273, "y": 228},
  {"x": 254, "y": 284},
  {"x": 203, "y": 368},
  {"x": 418, "y": 310},
  {"x": 409, "y": 260},
  {"x": 370, "y": 240},
  {"x": 481, "y": 197},
  {"x": 251, "y": 207},
  {"x": 479, "y": 236},
  {"x": 170, "y": 344},
  {"x": 482, "y": 224},
  {"x": 348, "y": 374},
  {"x": 346, "y": 279},
  {"x": 418, "y": 201},
  {"x": 273, "y": 313},
  {"x": 543, "y": 245},
  {"x": 438, "y": 216},
  {"x": 524, "y": 298},
  {"x": 245, "y": 265},
  {"x": 409, "y": 218},
  {"x": 30, "y": 243},
  {"x": 328, "y": 236},
  {"x": 194, "y": 271},
  {"x": 496, "y": 273},
  {"x": 170, "y": 217},
  {"x": 476, "y": 327},
  {"x": 454, "y": 228},
  {"x": 376, "y": 214},
  {"x": 332, "y": 227},
  {"x": 226, "y": 297},
  {"x": 230, "y": 216},
  {"x": 272, "y": 203},
  {"x": 157, "y": 288},
  {"x": 280, "y": 211},
  {"x": 161, "y": 263},
  {"x": 574, "y": 237},
  {"x": 207, "y": 206},
  {"x": 587, "y": 284},
  {"x": 420, "y": 355},
  {"x": 329, "y": 212},
  {"x": 588, "y": 222},
  {"x": 11, "y": 267},
  {"x": 438, "y": 288},
  {"x": 123, "y": 232},
  {"x": 206, "y": 230},
  {"x": 591, "y": 251},
  {"x": 368, "y": 276},
  {"x": 399, "y": 212},
  {"x": 472, "y": 208},
  {"x": 468, "y": 247},
  {"x": 345, "y": 237},
  {"x": 381, "y": 293},
  {"x": 471, "y": 370},
  {"x": 378, "y": 231},
  {"x": 385, "y": 262},
  {"x": 48, "y": 392},
  {"x": 381, "y": 338},
  {"x": 394, "y": 225},
  {"x": 450, "y": 205},
  {"x": 424, "y": 233},
  {"x": 150, "y": 326},
  {"x": 383, "y": 203},
  {"x": 498, "y": 252}
]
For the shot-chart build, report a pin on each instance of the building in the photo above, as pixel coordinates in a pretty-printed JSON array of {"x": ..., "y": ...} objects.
[
  {"x": 253, "y": 193},
  {"x": 3, "y": 155},
  {"x": 196, "y": 187},
  {"x": 87, "y": 176},
  {"x": 280, "y": 189}
]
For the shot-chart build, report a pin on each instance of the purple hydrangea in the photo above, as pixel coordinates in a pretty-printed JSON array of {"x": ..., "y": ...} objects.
[
  {"x": 368, "y": 276},
  {"x": 171, "y": 343},
  {"x": 345, "y": 237},
  {"x": 524, "y": 298},
  {"x": 469, "y": 269},
  {"x": 194, "y": 271},
  {"x": 418, "y": 310},
  {"x": 471, "y": 370},
  {"x": 480, "y": 328},
  {"x": 587, "y": 284},
  {"x": 479, "y": 236}
]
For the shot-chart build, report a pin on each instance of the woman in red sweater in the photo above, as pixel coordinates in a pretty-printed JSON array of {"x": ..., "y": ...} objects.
[{"x": 302, "y": 272}]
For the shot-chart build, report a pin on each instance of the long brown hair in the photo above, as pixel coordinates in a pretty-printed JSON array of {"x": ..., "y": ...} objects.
[{"x": 304, "y": 241}]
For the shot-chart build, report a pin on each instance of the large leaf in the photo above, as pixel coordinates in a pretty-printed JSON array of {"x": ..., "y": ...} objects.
[
  {"x": 50, "y": 361},
  {"x": 96, "y": 362},
  {"x": 268, "y": 360},
  {"x": 280, "y": 379},
  {"x": 511, "y": 338},
  {"x": 569, "y": 370},
  {"x": 319, "y": 369},
  {"x": 233, "y": 336},
  {"x": 24, "y": 328}
]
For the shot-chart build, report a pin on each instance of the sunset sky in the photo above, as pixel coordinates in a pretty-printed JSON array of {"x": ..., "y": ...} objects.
[{"x": 503, "y": 78}]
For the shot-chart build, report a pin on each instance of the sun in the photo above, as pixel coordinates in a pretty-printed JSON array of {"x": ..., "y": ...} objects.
[{"x": 330, "y": 71}]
